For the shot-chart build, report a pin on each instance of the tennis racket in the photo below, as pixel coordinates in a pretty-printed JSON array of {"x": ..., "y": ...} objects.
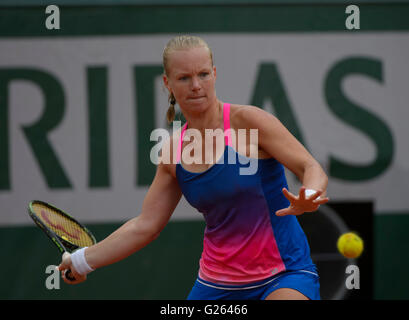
[{"x": 65, "y": 232}]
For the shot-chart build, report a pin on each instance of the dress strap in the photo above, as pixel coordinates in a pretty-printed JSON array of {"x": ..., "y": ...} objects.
[
  {"x": 226, "y": 124},
  {"x": 179, "y": 151}
]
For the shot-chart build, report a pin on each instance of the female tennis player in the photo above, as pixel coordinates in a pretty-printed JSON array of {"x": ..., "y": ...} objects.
[{"x": 254, "y": 247}]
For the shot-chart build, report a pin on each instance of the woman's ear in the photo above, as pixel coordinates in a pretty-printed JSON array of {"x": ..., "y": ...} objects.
[
  {"x": 166, "y": 82},
  {"x": 214, "y": 72}
]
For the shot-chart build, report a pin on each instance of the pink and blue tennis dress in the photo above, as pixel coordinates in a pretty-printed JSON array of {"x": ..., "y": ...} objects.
[{"x": 248, "y": 252}]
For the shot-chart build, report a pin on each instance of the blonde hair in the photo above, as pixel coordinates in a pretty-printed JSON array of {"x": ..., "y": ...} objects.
[{"x": 182, "y": 42}]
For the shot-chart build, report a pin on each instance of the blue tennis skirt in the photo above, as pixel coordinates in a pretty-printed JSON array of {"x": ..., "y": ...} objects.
[{"x": 304, "y": 281}]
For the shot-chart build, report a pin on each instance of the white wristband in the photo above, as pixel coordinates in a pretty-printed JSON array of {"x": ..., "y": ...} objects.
[
  {"x": 80, "y": 263},
  {"x": 310, "y": 192}
]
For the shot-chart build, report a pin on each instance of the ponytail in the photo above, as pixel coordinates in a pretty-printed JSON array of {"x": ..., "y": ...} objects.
[{"x": 170, "y": 115}]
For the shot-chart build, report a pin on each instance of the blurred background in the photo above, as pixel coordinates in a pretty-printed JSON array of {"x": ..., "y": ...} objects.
[{"x": 81, "y": 91}]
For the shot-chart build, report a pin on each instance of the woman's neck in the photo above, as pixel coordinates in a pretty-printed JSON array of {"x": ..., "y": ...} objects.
[{"x": 211, "y": 118}]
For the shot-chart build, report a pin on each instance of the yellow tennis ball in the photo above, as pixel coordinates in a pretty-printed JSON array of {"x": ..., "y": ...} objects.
[{"x": 350, "y": 245}]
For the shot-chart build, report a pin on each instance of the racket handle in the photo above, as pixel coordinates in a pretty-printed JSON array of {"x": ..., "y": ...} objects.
[{"x": 69, "y": 276}]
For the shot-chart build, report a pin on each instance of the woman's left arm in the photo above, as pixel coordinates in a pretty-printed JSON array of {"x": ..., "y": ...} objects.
[{"x": 278, "y": 142}]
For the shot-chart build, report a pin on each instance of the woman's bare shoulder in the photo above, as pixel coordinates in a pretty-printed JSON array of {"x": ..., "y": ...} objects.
[
  {"x": 168, "y": 152},
  {"x": 248, "y": 116}
]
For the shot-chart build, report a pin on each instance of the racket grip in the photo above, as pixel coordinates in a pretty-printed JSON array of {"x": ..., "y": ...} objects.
[{"x": 69, "y": 275}]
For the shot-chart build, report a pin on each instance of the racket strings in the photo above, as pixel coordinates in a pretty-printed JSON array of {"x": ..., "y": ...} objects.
[{"x": 62, "y": 226}]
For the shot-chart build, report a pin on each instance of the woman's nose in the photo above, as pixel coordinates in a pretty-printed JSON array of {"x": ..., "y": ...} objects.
[{"x": 195, "y": 83}]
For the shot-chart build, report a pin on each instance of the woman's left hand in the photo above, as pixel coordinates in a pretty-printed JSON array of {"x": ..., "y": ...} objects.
[{"x": 300, "y": 204}]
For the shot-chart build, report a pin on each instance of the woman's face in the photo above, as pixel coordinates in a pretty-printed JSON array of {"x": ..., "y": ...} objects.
[{"x": 191, "y": 78}]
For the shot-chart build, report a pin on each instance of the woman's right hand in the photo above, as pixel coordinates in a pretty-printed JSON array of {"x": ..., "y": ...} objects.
[{"x": 65, "y": 265}]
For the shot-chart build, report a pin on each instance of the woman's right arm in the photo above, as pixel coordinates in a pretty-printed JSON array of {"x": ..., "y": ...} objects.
[{"x": 159, "y": 203}]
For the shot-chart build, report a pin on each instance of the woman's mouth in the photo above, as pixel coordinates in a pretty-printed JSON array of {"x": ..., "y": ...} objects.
[{"x": 196, "y": 97}]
